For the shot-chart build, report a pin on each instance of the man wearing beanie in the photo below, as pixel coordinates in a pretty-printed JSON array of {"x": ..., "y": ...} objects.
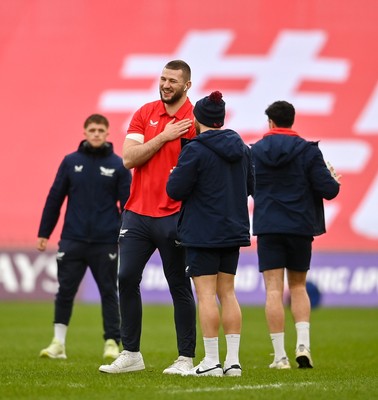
[{"x": 213, "y": 179}]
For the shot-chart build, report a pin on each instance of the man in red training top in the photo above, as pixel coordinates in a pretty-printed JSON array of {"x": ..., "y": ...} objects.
[{"x": 152, "y": 146}]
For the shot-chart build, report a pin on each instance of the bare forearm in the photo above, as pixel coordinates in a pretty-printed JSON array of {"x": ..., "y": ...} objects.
[{"x": 137, "y": 154}]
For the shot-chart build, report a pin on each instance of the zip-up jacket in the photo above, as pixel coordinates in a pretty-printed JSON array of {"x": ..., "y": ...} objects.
[
  {"x": 97, "y": 186},
  {"x": 291, "y": 181},
  {"x": 213, "y": 178}
]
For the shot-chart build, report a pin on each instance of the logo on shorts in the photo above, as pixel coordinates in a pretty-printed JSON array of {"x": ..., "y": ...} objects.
[
  {"x": 122, "y": 232},
  {"x": 112, "y": 256},
  {"x": 60, "y": 255}
]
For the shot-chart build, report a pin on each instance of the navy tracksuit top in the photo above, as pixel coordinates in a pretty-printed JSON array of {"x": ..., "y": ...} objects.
[
  {"x": 291, "y": 181},
  {"x": 97, "y": 186},
  {"x": 213, "y": 178}
]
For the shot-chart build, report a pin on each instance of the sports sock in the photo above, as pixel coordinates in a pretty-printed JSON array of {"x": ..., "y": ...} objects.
[
  {"x": 278, "y": 342},
  {"x": 233, "y": 343},
  {"x": 211, "y": 350},
  {"x": 60, "y": 332},
  {"x": 303, "y": 333}
]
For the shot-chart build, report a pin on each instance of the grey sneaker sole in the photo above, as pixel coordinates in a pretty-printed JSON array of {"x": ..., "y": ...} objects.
[
  {"x": 106, "y": 369},
  {"x": 171, "y": 371}
]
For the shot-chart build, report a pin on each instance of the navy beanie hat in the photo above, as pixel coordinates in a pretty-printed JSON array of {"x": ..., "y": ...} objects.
[{"x": 210, "y": 111}]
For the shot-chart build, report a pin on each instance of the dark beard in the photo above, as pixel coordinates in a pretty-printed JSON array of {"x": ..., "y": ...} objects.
[{"x": 174, "y": 99}]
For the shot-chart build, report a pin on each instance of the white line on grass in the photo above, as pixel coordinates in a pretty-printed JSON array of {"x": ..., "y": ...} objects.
[{"x": 237, "y": 388}]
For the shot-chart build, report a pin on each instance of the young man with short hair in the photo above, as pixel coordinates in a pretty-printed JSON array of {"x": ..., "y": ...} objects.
[
  {"x": 96, "y": 185},
  {"x": 291, "y": 181}
]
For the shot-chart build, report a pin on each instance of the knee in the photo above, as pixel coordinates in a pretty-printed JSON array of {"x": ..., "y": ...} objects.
[
  {"x": 226, "y": 298},
  {"x": 274, "y": 295},
  {"x": 127, "y": 277},
  {"x": 298, "y": 290},
  {"x": 179, "y": 284}
]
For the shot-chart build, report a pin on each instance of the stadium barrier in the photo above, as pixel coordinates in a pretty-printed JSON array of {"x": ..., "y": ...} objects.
[{"x": 343, "y": 279}]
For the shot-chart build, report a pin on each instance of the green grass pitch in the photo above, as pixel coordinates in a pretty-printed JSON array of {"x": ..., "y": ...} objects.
[{"x": 344, "y": 344}]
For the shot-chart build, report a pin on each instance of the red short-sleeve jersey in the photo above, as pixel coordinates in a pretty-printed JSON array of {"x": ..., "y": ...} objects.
[{"x": 148, "y": 195}]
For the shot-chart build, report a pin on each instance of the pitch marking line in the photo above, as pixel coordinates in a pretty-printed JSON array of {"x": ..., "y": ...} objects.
[{"x": 237, "y": 388}]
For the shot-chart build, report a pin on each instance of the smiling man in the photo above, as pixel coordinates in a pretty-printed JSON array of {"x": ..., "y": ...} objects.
[{"x": 152, "y": 146}]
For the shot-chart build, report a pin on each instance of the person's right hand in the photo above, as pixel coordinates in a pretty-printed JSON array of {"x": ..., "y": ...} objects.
[
  {"x": 42, "y": 244},
  {"x": 173, "y": 130}
]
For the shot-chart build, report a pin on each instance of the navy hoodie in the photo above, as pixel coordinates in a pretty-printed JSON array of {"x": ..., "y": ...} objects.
[
  {"x": 291, "y": 181},
  {"x": 97, "y": 186},
  {"x": 213, "y": 178}
]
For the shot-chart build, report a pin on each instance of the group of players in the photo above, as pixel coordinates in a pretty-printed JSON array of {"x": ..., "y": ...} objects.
[{"x": 188, "y": 199}]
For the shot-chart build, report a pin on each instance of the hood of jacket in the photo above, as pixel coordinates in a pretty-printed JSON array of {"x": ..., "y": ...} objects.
[
  {"x": 226, "y": 143},
  {"x": 105, "y": 150},
  {"x": 278, "y": 149}
]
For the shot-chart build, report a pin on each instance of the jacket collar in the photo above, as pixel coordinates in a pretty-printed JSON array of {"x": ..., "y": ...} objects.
[{"x": 281, "y": 131}]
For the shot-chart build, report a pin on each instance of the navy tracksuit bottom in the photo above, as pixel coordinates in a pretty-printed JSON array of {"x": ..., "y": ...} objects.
[
  {"x": 73, "y": 259},
  {"x": 139, "y": 237}
]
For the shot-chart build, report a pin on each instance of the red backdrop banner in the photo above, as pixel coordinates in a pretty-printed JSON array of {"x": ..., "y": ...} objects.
[{"x": 61, "y": 61}]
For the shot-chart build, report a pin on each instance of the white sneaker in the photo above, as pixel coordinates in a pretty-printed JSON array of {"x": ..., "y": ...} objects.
[
  {"x": 55, "y": 350},
  {"x": 126, "y": 362},
  {"x": 232, "y": 370},
  {"x": 111, "y": 349},
  {"x": 202, "y": 369},
  {"x": 303, "y": 357},
  {"x": 281, "y": 364},
  {"x": 180, "y": 367}
]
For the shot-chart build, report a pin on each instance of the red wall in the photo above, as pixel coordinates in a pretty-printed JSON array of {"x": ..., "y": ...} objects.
[{"x": 61, "y": 61}]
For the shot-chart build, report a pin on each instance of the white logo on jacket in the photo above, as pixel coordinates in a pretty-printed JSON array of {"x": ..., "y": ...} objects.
[
  {"x": 107, "y": 171},
  {"x": 78, "y": 168}
]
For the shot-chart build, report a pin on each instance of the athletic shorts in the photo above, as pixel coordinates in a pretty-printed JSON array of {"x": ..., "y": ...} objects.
[
  {"x": 284, "y": 251},
  {"x": 209, "y": 261}
]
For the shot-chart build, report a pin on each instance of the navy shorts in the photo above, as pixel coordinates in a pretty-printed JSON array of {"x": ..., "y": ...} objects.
[
  {"x": 284, "y": 251},
  {"x": 209, "y": 261}
]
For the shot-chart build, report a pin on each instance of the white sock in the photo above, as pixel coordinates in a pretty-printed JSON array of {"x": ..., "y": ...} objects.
[
  {"x": 60, "y": 332},
  {"x": 303, "y": 333},
  {"x": 233, "y": 343},
  {"x": 211, "y": 350},
  {"x": 278, "y": 342}
]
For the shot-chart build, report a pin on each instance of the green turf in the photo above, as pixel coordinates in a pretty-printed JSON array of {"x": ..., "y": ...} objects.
[{"x": 344, "y": 347}]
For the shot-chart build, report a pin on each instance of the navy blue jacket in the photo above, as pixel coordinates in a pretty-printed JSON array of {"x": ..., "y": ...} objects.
[
  {"x": 213, "y": 178},
  {"x": 97, "y": 186},
  {"x": 291, "y": 181}
]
